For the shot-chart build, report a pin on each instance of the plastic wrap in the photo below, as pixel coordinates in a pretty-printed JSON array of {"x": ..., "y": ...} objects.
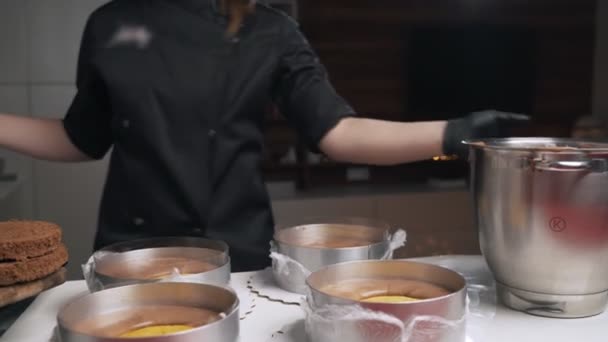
[
  {"x": 88, "y": 271},
  {"x": 291, "y": 274},
  {"x": 288, "y": 273},
  {"x": 481, "y": 291},
  {"x": 355, "y": 323},
  {"x": 397, "y": 240},
  {"x": 481, "y": 286}
]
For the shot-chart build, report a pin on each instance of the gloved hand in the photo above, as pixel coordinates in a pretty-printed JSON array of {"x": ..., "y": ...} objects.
[{"x": 479, "y": 125}]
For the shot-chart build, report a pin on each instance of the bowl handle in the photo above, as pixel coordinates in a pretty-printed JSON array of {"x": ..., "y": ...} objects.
[{"x": 592, "y": 165}]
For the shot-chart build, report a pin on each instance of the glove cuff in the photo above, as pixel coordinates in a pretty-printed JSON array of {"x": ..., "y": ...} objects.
[{"x": 456, "y": 131}]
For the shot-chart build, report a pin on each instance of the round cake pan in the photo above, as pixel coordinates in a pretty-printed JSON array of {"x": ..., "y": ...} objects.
[
  {"x": 317, "y": 243},
  {"x": 322, "y": 242},
  {"x": 421, "y": 278},
  {"x": 152, "y": 260},
  {"x": 107, "y": 315}
]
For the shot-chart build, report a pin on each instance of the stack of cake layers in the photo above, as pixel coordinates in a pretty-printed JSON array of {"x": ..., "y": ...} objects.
[{"x": 32, "y": 259}]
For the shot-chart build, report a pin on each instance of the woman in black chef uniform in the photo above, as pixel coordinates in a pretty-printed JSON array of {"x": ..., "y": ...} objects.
[{"x": 179, "y": 89}]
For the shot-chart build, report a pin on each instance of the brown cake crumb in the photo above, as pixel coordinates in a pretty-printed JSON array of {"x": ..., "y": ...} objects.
[{"x": 32, "y": 269}]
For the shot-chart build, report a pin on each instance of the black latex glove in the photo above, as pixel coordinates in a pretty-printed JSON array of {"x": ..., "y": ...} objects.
[{"x": 479, "y": 125}]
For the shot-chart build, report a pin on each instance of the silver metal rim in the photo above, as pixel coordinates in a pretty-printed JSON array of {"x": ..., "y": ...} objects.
[
  {"x": 513, "y": 144},
  {"x": 176, "y": 241},
  {"x": 219, "y": 275},
  {"x": 373, "y": 224},
  {"x": 454, "y": 292},
  {"x": 553, "y": 306},
  {"x": 232, "y": 313},
  {"x": 216, "y": 276}
]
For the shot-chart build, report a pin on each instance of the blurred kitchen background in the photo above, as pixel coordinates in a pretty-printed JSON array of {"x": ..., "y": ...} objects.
[{"x": 392, "y": 59}]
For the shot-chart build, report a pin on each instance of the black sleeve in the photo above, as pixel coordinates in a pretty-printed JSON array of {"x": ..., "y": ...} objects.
[
  {"x": 303, "y": 92},
  {"x": 88, "y": 120}
]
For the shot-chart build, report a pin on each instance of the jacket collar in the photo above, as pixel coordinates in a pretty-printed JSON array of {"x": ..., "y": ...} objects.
[{"x": 199, "y": 5}]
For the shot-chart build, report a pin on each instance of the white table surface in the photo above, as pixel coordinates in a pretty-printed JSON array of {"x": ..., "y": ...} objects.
[{"x": 270, "y": 321}]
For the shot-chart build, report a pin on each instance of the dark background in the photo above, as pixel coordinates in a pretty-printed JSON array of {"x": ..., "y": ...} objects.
[{"x": 411, "y": 60}]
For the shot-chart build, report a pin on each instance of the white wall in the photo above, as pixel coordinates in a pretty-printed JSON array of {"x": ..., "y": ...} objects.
[
  {"x": 39, "y": 42},
  {"x": 14, "y": 95},
  {"x": 600, "y": 96}
]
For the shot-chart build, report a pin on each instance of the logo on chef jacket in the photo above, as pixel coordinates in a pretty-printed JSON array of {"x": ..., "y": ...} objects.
[{"x": 138, "y": 36}]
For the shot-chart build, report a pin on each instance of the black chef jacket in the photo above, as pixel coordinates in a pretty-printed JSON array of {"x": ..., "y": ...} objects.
[{"x": 183, "y": 107}]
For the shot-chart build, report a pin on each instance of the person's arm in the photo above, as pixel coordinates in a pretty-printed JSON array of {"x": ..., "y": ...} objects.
[
  {"x": 84, "y": 133},
  {"x": 327, "y": 122},
  {"x": 377, "y": 142},
  {"x": 367, "y": 141},
  {"x": 39, "y": 138}
]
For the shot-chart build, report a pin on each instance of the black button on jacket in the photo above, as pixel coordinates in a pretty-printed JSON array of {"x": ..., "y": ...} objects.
[{"x": 182, "y": 109}]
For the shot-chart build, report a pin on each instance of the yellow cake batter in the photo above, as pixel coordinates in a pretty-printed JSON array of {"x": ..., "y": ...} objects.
[
  {"x": 389, "y": 299},
  {"x": 156, "y": 330}
]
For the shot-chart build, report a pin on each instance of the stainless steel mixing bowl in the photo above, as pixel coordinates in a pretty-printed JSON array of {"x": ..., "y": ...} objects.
[{"x": 542, "y": 212}]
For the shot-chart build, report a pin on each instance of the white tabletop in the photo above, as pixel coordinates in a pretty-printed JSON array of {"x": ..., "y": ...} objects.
[{"x": 270, "y": 321}]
